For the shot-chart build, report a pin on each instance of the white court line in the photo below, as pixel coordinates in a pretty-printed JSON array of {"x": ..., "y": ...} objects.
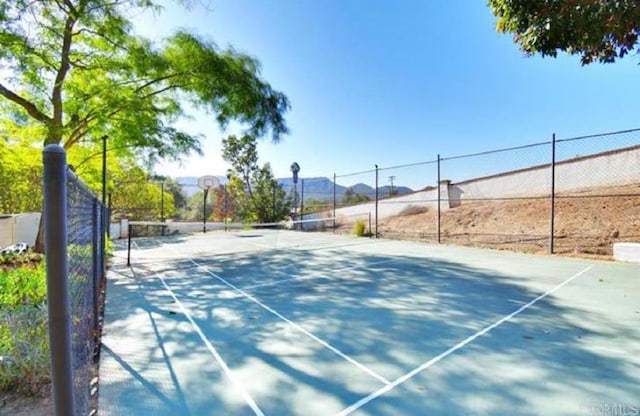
[
  {"x": 342, "y": 269},
  {"x": 296, "y": 326},
  {"x": 211, "y": 348},
  {"x": 453, "y": 349}
]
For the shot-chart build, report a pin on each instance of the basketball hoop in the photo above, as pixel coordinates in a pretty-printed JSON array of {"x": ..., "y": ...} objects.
[
  {"x": 205, "y": 183},
  {"x": 208, "y": 182}
]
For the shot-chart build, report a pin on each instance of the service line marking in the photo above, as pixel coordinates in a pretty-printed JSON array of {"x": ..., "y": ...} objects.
[
  {"x": 245, "y": 394},
  {"x": 440, "y": 357},
  {"x": 296, "y": 326}
]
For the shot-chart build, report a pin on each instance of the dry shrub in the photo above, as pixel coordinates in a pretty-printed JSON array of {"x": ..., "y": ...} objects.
[{"x": 413, "y": 210}]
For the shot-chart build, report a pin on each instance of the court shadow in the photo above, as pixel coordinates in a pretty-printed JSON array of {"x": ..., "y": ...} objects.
[{"x": 314, "y": 331}]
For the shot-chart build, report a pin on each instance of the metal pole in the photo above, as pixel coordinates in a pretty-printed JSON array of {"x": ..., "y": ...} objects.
[
  {"x": 162, "y": 201},
  {"x": 96, "y": 229},
  {"x": 225, "y": 207},
  {"x": 204, "y": 211},
  {"x": 553, "y": 191},
  {"x": 273, "y": 200},
  {"x": 59, "y": 305},
  {"x": 334, "y": 203},
  {"x": 376, "y": 201},
  {"x": 438, "y": 225},
  {"x": 104, "y": 170},
  {"x": 129, "y": 228},
  {"x": 108, "y": 219},
  {"x": 301, "y": 201}
]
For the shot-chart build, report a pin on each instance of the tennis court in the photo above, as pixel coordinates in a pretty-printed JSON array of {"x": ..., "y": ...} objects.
[{"x": 310, "y": 323}]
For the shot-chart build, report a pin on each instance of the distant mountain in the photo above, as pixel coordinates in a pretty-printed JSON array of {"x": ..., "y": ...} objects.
[
  {"x": 322, "y": 189},
  {"x": 319, "y": 188}
]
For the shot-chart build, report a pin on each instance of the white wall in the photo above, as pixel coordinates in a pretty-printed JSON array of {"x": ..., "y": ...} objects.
[
  {"x": 19, "y": 228},
  {"x": 614, "y": 168}
]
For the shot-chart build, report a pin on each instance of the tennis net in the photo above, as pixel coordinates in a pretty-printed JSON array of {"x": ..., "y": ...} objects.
[{"x": 220, "y": 235}]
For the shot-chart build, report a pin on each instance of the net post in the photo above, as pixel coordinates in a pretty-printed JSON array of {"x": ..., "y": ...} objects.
[
  {"x": 58, "y": 301},
  {"x": 204, "y": 211},
  {"x": 439, "y": 212},
  {"x": 334, "y": 203},
  {"x": 553, "y": 192},
  {"x": 376, "y": 234},
  {"x": 129, "y": 244}
]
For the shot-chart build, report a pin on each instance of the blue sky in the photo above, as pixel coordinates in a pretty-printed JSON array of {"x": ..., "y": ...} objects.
[{"x": 397, "y": 82}]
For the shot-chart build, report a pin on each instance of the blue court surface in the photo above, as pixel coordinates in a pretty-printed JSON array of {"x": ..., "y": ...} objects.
[{"x": 289, "y": 323}]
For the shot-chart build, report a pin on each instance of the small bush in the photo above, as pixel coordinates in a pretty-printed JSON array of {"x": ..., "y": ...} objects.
[
  {"x": 359, "y": 229},
  {"x": 413, "y": 210},
  {"x": 24, "y": 345},
  {"x": 24, "y": 349}
]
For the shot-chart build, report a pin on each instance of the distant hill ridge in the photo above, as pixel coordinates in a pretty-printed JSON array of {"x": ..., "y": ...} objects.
[{"x": 320, "y": 188}]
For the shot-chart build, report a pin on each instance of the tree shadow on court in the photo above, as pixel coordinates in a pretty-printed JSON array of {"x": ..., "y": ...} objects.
[{"x": 272, "y": 314}]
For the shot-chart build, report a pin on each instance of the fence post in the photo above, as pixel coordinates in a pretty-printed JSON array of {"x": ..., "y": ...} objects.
[
  {"x": 301, "y": 203},
  {"x": 95, "y": 229},
  {"x": 553, "y": 191},
  {"x": 334, "y": 203},
  {"x": 59, "y": 306},
  {"x": 438, "y": 224},
  {"x": 376, "y": 201}
]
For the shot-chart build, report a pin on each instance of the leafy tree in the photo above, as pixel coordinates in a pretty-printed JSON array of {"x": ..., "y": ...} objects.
[
  {"x": 78, "y": 71},
  {"x": 175, "y": 189},
  {"x": 242, "y": 154},
  {"x": 257, "y": 195},
  {"x": 194, "y": 209},
  {"x": 351, "y": 197},
  {"x": 20, "y": 169},
  {"x": 270, "y": 202},
  {"x": 312, "y": 205},
  {"x": 136, "y": 198},
  {"x": 225, "y": 204},
  {"x": 596, "y": 30}
]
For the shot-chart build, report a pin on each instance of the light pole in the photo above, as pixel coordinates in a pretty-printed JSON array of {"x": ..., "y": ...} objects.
[{"x": 295, "y": 168}]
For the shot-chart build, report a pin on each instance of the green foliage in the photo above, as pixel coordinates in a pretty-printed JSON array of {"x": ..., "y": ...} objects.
[
  {"x": 351, "y": 197},
  {"x": 254, "y": 193},
  {"x": 24, "y": 347},
  {"x": 20, "y": 169},
  {"x": 136, "y": 197},
  {"x": 80, "y": 72},
  {"x": 359, "y": 228},
  {"x": 312, "y": 205},
  {"x": 23, "y": 286},
  {"x": 597, "y": 30}
]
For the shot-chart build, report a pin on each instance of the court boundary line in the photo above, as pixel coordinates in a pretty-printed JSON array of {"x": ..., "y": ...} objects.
[
  {"x": 342, "y": 269},
  {"x": 225, "y": 368},
  {"x": 296, "y": 326},
  {"x": 365, "y": 400}
]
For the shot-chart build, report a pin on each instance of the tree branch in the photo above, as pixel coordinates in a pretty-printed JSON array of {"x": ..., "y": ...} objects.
[
  {"x": 32, "y": 110},
  {"x": 54, "y": 135}
]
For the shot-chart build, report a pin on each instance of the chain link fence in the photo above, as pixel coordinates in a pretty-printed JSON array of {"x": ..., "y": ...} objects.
[
  {"x": 75, "y": 238},
  {"x": 574, "y": 195}
]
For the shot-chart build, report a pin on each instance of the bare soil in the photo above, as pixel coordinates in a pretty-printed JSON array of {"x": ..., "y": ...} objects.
[
  {"x": 587, "y": 223},
  {"x": 18, "y": 405}
]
